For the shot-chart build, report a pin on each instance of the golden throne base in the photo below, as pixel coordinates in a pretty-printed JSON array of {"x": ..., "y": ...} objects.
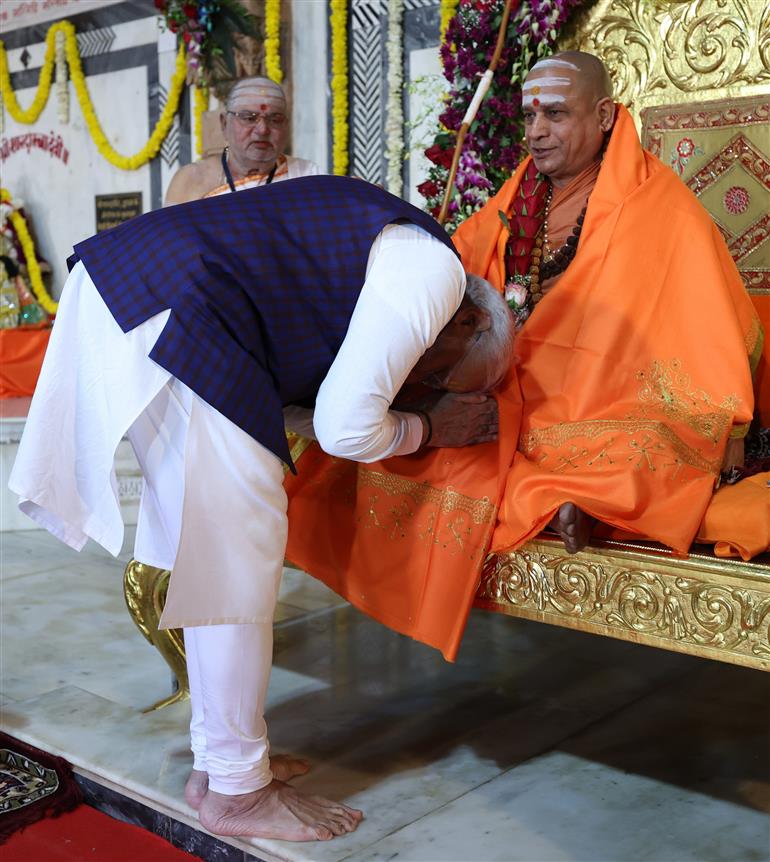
[{"x": 701, "y": 605}]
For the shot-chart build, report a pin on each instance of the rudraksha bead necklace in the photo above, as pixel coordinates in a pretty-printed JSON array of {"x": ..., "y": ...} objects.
[{"x": 556, "y": 262}]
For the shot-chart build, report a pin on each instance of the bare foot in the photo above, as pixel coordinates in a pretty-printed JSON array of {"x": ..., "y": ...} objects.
[
  {"x": 283, "y": 766},
  {"x": 277, "y": 811},
  {"x": 196, "y": 788},
  {"x": 574, "y": 527}
]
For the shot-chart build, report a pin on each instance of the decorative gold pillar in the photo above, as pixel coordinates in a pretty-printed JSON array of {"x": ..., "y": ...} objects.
[{"x": 145, "y": 588}]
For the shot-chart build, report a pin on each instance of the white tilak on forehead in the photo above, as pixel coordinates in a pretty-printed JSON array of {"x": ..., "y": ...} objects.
[
  {"x": 257, "y": 91},
  {"x": 544, "y": 82},
  {"x": 554, "y": 61},
  {"x": 532, "y": 101}
]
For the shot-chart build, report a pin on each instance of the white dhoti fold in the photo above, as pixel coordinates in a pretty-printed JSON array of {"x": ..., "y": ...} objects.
[{"x": 213, "y": 509}]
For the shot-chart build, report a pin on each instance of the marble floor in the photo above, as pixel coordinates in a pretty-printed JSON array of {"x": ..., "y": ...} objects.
[{"x": 538, "y": 744}]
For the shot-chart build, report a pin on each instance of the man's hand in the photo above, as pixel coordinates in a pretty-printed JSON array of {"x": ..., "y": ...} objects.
[{"x": 462, "y": 420}]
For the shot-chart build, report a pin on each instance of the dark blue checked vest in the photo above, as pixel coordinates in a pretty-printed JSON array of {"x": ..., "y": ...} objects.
[{"x": 261, "y": 285}]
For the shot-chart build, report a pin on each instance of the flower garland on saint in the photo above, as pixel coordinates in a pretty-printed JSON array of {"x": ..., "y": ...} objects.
[
  {"x": 339, "y": 86},
  {"x": 28, "y": 248},
  {"x": 493, "y": 145}
]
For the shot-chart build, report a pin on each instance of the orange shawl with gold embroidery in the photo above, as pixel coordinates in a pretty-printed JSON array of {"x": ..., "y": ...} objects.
[
  {"x": 631, "y": 372},
  {"x": 634, "y": 368}
]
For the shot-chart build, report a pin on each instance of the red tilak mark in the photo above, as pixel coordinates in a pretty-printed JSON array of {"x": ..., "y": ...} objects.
[
  {"x": 263, "y": 107},
  {"x": 536, "y": 102}
]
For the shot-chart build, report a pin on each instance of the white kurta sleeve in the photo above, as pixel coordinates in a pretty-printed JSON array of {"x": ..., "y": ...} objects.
[{"x": 414, "y": 286}]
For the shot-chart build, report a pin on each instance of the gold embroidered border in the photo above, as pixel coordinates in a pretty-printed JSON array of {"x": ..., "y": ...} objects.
[
  {"x": 668, "y": 387},
  {"x": 755, "y": 341},
  {"x": 557, "y": 435},
  {"x": 448, "y": 500}
]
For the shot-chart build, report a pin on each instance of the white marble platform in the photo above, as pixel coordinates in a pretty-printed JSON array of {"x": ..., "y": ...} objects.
[{"x": 538, "y": 744}]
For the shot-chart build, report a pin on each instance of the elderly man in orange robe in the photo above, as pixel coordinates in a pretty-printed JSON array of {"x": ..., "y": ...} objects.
[
  {"x": 631, "y": 389},
  {"x": 635, "y": 360}
]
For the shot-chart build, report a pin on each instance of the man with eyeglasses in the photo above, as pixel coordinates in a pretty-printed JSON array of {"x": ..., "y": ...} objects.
[
  {"x": 197, "y": 331},
  {"x": 255, "y": 125}
]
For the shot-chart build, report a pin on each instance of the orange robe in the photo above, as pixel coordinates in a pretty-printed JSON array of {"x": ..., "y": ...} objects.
[
  {"x": 631, "y": 372},
  {"x": 635, "y": 366}
]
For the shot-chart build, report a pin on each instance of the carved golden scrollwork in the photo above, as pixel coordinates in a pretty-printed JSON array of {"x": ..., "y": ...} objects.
[
  {"x": 667, "y": 51},
  {"x": 145, "y": 588},
  {"x": 719, "y": 610}
]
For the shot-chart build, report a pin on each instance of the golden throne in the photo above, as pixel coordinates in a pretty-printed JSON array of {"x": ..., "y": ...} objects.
[{"x": 697, "y": 74}]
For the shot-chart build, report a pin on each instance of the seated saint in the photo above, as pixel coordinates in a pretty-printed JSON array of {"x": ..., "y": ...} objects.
[
  {"x": 630, "y": 390},
  {"x": 255, "y": 126},
  {"x": 623, "y": 400}
]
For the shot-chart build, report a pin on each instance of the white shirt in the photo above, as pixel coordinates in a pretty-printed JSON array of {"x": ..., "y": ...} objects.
[{"x": 414, "y": 285}]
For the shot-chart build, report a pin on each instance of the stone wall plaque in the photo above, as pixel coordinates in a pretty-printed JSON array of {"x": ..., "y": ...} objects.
[{"x": 112, "y": 210}]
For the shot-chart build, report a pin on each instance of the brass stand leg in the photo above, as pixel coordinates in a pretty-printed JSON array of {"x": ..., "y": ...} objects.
[{"x": 145, "y": 588}]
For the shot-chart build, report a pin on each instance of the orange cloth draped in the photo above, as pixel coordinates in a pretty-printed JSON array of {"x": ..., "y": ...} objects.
[
  {"x": 634, "y": 367},
  {"x": 567, "y": 203},
  {"x": 737, "y": 520},
  {"x": 403, "y": 539},
  {"x": 21, "y": 357}
]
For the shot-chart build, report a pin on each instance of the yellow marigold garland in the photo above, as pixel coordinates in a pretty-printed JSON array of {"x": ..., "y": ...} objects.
[
  {"x": 127, "y": 163},
  {"x": 339, "y": 84},
  {"x": 273, "y": 40},
  {"x": 43, "y": 82},
  {"x": 200, "y": 106},
  {"x": 448, "y": 10},
  {"x": 30, "y": 258}
]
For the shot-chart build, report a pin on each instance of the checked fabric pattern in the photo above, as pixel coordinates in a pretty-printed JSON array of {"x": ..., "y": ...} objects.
[{"x": 261, "y": 285}]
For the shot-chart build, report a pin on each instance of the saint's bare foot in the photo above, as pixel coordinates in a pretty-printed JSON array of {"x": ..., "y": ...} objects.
[
  {"x": 283, "y": 766},
  {"x": 574, "y": 527},
  {"x": 277, "y": 811}
]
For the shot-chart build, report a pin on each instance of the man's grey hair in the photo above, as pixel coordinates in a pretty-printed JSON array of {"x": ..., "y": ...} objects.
[{"x": 494, "y": 348}]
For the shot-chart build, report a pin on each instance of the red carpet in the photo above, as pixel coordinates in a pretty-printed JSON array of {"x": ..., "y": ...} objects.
[{"x": 87, "y": 835}]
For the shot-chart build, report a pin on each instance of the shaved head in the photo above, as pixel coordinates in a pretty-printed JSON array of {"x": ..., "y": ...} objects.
[{"x": 592, "y": 73}]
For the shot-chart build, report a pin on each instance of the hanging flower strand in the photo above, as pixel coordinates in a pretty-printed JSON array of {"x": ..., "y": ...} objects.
[
  {"x": 339, "y": 85},
  {"x": 62, "y": 88},
  {"x": 394, "y": 124},
  {"x": 273, "y": 40},
  {"x": 200, "y": 106}
]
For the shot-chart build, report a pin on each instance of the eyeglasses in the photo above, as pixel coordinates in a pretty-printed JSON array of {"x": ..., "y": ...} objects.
[
  {"x": 444, "y": 381},
  {"x": 251, "y": 118}
]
